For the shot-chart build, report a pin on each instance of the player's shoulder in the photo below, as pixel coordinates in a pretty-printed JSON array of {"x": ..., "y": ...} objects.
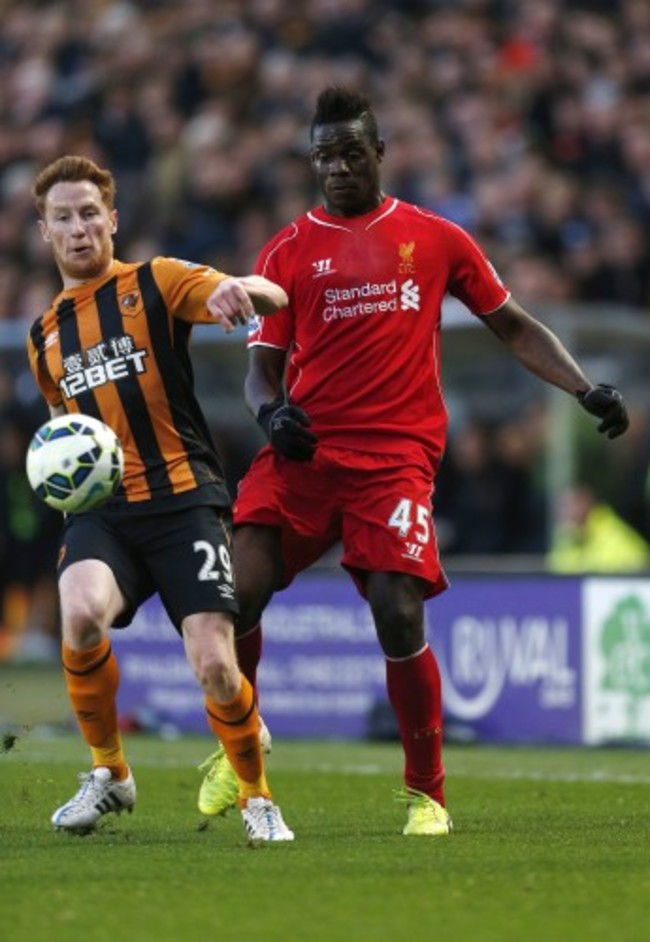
[
  {"x": 280, "y": 248},
  {"x": 444, "y": 230},
  {"x": 169, "y": 271},
  {"x": 287, "y": 234},
  {"x": 35, "y": 330},
  {"x": 164, "y": 264},
  {"x": 122, "y": 270},
  {"x": 416, "y": 213},
  {"x": 43, "y": 330}
]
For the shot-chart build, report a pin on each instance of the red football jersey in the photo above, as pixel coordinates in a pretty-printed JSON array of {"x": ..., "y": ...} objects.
[{"x": 363, "y": 323}]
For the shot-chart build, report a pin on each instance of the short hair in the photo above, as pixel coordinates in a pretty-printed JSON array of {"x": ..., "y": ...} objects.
[
  {"x": 337, "y": 103},
  {"x": 73, "y": 169}
]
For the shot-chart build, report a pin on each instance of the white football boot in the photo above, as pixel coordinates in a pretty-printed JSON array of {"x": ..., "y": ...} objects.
[
  {"x": 263, "y": 822},
  {"x": 99, "y": 794}
]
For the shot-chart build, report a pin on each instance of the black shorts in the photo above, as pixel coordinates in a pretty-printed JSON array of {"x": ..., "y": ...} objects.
[{"x": 183, "y": 555}]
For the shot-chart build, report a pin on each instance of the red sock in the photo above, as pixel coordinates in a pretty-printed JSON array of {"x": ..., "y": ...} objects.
[
  {"x": 249, "y": 652},
  {"x": 413, "y": 686}
]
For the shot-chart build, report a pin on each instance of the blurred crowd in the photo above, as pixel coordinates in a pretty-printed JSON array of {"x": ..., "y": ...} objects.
[{"x": 525, "y": 121}]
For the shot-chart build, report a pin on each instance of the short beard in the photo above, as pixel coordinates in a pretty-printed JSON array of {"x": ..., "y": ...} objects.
[{"x": 90, "y": 269}]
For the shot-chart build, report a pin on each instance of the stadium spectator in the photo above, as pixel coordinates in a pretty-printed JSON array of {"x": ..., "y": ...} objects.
[
  {"x": 485, "y": 502},
  {"x": 168, "y": 527},
  {"x": 29, "y": 533},
  {"x": 346, "y": 384},
  {"x": 494, "y": 88},
  {"x": 590, "y": 537}
]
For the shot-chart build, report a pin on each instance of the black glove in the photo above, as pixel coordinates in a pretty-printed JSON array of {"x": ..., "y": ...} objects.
[
  {"x": 286, "y": 427},
  {"x": 607, "y": 403}
]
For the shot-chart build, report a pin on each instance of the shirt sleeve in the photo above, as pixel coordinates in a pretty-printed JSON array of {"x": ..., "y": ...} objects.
[
  {"x": 273, "y": 263},
  {"x": 48, "y": 388},
  {"x": 186, "y": 287},
  {"x": 473, "y": 279}
]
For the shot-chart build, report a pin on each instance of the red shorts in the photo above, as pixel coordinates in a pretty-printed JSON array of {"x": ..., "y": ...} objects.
[{"x": 377, "y": 506}]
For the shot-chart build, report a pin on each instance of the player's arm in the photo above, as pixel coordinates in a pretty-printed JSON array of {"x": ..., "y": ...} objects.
[
  {"x": 44, "y": 381},
  {"x": 286, "y": 426},
  {"x": 539, "y": 350},
  {"x": 199, "y": 294},
  {"x": 267, "y": 296},
  {"x": 234, "y": 300},
  {"x": 264, "y": 381}
]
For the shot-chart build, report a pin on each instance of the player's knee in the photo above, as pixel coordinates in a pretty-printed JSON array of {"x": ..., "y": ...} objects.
[
  {"x": 400, "y": 628},
  {"x": 398, "y": 611},
  {"x": 258, "y": 570},
  {"x": 250, "y": 615},
  {"x": 400, "y": 638},
  {"x": 211, "y": 653},
  {"x": 253, "y": 595},
  {"x": 218, "y": 676},
  {"x": 90, "y": 602},
  {"x": 83, "y": 617}
]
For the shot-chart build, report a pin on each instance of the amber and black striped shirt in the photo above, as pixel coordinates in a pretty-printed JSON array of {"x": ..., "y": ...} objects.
[{"x": 117, "y": 348}]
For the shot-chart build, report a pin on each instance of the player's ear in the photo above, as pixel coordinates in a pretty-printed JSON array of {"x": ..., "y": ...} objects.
[
  {"x": 113, "y": 221},
  {"x": 45, "y": 232},
  {"x": 380, "y": 149}
]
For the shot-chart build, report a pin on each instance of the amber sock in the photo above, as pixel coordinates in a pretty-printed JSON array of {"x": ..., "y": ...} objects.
[
  {"x": 236, "y": 724},
  {"x": 92, "y": 678}
]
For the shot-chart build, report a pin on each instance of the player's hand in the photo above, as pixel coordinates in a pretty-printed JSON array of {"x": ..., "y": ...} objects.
[
  {"x": 607, "y": 403},
  {"x": 287, "y": 429},
  {"x": 230, "y": 304}
]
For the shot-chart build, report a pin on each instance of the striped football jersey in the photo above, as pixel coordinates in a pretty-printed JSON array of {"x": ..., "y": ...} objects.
[{"x": 117, "y": 348}]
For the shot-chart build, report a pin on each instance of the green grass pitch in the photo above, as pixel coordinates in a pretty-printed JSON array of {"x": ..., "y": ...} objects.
[{"x": 549, "y": 845}]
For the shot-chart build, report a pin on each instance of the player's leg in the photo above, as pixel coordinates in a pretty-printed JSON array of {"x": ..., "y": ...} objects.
[
  {"x": 229, "y": 698},
  {"x": 390, "y": 550},
  {"x": 233, "y": 718},
  {"x": 191, "y": 564},
  {"x": 219, "y": 791},
  {"x": 90, "y": 601},
  {"x": 264, "y": 496},
  {"x": 282, "y": 525},
  {"x": 414, "y": 691},
  {"x": 256, "y": 558}
]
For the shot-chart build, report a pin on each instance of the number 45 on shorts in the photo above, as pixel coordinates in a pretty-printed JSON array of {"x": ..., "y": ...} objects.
[{"x": 413, "y": 522}]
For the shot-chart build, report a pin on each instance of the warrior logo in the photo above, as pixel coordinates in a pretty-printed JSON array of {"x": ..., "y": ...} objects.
[{"x": 322, "y": 267}]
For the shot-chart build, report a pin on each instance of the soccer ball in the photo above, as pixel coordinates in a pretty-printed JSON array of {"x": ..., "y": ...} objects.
[{"x": 74, "y": 462}]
